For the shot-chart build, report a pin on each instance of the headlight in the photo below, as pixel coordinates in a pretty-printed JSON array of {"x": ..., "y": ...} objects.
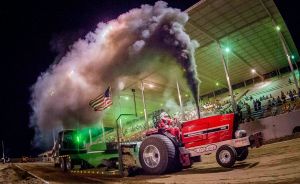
[{"x": 240, "y": 134}]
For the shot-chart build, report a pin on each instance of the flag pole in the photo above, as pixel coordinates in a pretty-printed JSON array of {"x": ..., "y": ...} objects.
[{"x": 144, "y": 104}]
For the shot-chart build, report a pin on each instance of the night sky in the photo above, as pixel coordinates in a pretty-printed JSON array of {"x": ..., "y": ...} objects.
[{"x": 28, "y": 28}]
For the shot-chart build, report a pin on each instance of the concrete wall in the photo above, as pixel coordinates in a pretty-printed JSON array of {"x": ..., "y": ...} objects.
[{"x": 274, "y": 126}]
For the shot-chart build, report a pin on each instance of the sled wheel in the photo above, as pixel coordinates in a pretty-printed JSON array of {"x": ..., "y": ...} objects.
[
  {"x": 63, "y": 164},
  {"x": 242, "y": 153}
]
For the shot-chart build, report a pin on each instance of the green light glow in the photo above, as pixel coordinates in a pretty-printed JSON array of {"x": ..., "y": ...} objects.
[
  {"x": 186, "y": 95},
  {"x": 227, "y": 49},
  {"x": 292, "y": 56},
  {"x": 277, "y": 28},
  {"x": 78, "y": 138},
  {"x": 217, "y": 84}
]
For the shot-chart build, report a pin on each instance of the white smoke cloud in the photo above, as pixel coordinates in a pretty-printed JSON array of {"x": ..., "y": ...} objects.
[{"x": 120, "y": 48}]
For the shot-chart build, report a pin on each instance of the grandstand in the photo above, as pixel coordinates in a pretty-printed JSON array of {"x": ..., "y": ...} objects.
[{"x": 250, "y": 35}]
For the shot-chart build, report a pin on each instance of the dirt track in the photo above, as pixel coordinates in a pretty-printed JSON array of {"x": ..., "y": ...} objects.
[{"x": 272, "y": 163}]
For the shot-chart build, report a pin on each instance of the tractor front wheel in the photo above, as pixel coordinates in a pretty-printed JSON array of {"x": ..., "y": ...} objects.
[{"x": 226, "y": 156}]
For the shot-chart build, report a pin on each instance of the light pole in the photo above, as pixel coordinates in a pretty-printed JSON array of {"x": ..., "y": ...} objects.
[
  {"x": 3, "y": 156},
  {"x": 227, "y": 75},
  {"x": 144, "y": 104}
]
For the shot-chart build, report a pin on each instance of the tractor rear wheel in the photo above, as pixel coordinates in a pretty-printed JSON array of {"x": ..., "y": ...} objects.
[
  {"x": 226, "y": 156},
  {"x": 242, "y": 153},
  {"x": 157, "y": 154}
]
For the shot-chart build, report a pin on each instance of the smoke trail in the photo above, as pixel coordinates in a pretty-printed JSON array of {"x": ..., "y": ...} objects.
[{"x": 123, "y": 47}]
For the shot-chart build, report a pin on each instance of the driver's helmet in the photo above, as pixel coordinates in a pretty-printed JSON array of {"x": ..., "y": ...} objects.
[{"x": 164, "y": 115}]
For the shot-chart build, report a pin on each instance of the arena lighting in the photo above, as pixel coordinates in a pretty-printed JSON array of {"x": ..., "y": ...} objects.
[
  {"x": 161, "y": 104},
  {"x": 151, "y": 85},
  {"x": 126, "y": 98},
  {"x": 186, "y": 95},
  {"x": 292, "y": 56},
  {"x": 227, "y": 49},
  {"x": 217, "y": 84},
  {"x": 277, "y": 28},
  {"x": 253, "y": 70}
]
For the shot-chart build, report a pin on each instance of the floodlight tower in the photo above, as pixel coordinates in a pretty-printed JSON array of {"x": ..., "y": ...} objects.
[{"x": 226, "y": 74}]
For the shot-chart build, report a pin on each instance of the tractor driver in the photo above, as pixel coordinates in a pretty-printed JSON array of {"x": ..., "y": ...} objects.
[{"x": 166, "y": 122}]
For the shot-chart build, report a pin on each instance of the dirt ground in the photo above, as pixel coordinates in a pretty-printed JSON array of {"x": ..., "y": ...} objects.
[
  {"x": 272, "y": 163},
  {"x": 10, "y": 174}
]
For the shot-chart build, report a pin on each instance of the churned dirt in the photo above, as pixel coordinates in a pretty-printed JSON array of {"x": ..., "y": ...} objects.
[
  {"x": 9, "y": 174},
  {"x": 272, "y": 163}
]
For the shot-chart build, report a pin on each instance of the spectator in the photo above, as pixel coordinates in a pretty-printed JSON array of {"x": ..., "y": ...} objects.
[
  {"x": 255, "y": 105},
  {"x": 290, "y": 82},
  {"x": 248, "y": 112},
  {"x": 279, "y": 102},
  {"x": 294, "y": 92},
  {"x": 271, "y": 96},
  {"x": 273, "y": 102},
  {"x": 258, "y": 103},
  {"x": 283, "y": 97},
  {"x": 269, "y": 104},
  {"x": 291, "y": 95}
]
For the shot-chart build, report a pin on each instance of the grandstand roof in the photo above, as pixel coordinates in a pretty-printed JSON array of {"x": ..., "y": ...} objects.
[{"x": 246, "y": 27}]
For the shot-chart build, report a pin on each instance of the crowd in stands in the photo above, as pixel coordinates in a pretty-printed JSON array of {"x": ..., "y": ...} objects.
[{"x": 286, "y": 102}]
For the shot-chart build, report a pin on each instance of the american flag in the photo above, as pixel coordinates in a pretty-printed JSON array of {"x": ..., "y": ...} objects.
[{"x": 102, "y": 101}]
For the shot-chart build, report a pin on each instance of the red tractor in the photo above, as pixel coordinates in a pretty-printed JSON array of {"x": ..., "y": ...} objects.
[{"x": 169, "y": 147}]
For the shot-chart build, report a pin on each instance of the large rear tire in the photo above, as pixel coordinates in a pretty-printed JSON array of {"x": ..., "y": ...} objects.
[
  {"x": 242, "y": 153},
  {"x": 157, "y": 154},
  {"x": 226, "y": 156}
]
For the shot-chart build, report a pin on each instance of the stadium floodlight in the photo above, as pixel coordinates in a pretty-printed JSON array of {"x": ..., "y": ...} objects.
[
  {"x": 292, "y": 56},
  {"x": 227, "y": 49},
  {"x": 186, "y": 95},
  {"x": 217, "y": 84},
  {"x": 253, "y": 70},
  {"x": 151, "y": 86},
  {"x": 277, "y": 28},
  {"x": 126, "y": 98}
]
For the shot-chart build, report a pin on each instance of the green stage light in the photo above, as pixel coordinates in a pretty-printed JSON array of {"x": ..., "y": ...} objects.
[
  {"x": 227, "y": 49},
  {"x": 78, "y": 138}
]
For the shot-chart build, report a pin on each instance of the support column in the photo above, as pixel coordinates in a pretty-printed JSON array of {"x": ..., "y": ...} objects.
[
  {"x": 180, "y": 101},
  {"x": 144, "y": 104},
  {"x": 227, "y": 77},
  {"x": 103, "y": 132},
  {"x": 289, "y": 59}
]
